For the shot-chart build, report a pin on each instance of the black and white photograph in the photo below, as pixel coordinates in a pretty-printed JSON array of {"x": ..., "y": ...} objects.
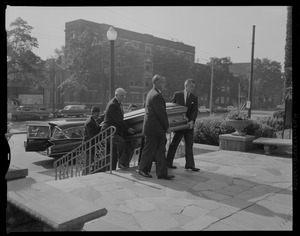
[{"x": 149, "y": 118}]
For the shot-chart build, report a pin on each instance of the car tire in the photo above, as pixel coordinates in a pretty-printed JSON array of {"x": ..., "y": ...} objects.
[{"x": 13, "y": 118}]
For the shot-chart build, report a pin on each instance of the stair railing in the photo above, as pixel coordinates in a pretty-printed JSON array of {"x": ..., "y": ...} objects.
[{"x": 90, "y": 157}]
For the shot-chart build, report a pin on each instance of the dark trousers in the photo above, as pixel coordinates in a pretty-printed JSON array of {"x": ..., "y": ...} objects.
[
  {"x": 130, "y": 146},
  {"x": 118, "y": 149},
  {"x": 154, "y": 149},
  {"x": 188, "y": 135}
]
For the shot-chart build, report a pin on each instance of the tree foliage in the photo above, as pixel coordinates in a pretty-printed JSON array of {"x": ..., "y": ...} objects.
[
  {"x": 267, "y": 80},
  {"x": 130, "y": 64},
  {"x": 174, "y": 66},
  {"x": 22, "y": 64},
  {"x": 88, "y": 60},
  {"x": 83, "y": 61},
  {"x": 202, "y": 75}
]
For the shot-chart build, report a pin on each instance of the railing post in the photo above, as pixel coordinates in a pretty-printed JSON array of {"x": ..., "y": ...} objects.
[{"x": 111, "y": 148}]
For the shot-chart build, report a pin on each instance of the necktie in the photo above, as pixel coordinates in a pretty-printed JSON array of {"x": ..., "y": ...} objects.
[
  {"x": 187, "y": 97},
  {"x": 121, "y": 108}
]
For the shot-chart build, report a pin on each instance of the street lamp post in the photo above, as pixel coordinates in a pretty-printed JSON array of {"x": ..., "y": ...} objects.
[{"x": 111, "y": 36}]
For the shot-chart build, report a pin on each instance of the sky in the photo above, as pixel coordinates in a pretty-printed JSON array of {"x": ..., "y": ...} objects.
[{"x": 223, "y": 31}]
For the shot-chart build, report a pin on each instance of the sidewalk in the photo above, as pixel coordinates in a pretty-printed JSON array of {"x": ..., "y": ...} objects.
[{"x": 232, "y": 191}]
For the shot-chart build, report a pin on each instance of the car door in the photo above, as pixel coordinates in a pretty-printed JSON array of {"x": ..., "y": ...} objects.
[
  {"x": 38, "y": 136},
  {"x": 65, "y": 140}
]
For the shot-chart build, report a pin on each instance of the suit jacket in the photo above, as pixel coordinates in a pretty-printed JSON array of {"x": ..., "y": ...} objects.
[
  {"x": 192, "y": 104},
  {"x": 114, "y": 116},
  {"x": 155, "y": 120},
  {"x": 91, "y": 128}
]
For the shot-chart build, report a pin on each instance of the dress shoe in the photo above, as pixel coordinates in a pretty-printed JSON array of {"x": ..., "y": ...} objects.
[
  {"x": 167, "y": 177},
  {"x": 172, "y": 167},
  {"x": 192, "y": 168},
  {"x": 145, "y": 174},
  {"x": 122, "y": 166}
]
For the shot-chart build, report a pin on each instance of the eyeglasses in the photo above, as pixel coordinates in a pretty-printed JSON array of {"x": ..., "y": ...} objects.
[{"x": 121, "y": 95}]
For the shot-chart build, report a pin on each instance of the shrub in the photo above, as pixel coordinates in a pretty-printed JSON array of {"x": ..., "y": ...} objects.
[
  {"x": 260, "y": 129},
  {"x": 276, "y": 123},
  {"x": 208, "y": 129}
]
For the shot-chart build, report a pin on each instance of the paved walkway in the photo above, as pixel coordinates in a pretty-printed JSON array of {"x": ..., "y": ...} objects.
[{"x": 232, "y": 191}]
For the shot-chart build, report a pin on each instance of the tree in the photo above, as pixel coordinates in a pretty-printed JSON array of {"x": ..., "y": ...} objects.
[
  {"x": 268, "y": 82},
  {"x": 83, "y": 61},
  {"x": 22, "y": 64},
  {"x": 222, "y": 75},
  {"x": 87, "y": 61},
  {"x": 59, "y": 55},
  {"x": 202, "y": 75},
  {"x": 174, "y": 66},
  {"x": 130, "y": 64}
]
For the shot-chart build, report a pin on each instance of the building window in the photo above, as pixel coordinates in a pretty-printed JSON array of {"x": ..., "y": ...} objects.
[
  {"x": 148, "y": 50},
  {"x": 227, "y": 89},
  {"x": 148, "y": 67}
]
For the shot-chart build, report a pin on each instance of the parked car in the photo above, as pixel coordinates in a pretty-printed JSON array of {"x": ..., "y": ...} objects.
[
  {"x": 55, "y": 137},
  {"x": 29, "y": 113},
  {"x": 203, "y": 109},
  {"x": 60, "y": 137},
  {"x": 72, "y": 110},
  {"x": 220, "y": 109}
]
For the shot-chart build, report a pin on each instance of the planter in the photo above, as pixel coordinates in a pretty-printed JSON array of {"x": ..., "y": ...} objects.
[{"x": 238, "y": 125}]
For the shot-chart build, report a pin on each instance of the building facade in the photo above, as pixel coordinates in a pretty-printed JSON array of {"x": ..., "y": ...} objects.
[{"x": 147, "y": 45}]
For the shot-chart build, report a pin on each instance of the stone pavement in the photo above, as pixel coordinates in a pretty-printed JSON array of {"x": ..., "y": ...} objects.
[{"x": 233, "y": 191}]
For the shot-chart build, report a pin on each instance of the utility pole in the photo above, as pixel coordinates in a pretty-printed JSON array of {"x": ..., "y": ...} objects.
[
  {"x": 211, "y": 87},
  {"x": 251, "y": 76}
]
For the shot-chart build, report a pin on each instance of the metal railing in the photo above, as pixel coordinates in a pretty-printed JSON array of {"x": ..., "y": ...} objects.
[{"x": 91, "y": 156}]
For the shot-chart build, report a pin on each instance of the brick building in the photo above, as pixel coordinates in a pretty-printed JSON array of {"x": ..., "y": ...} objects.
[{"x": 147, "y": 45}]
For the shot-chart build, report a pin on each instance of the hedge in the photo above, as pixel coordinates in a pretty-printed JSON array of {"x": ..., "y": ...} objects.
[{"x": 208, "y": 129}]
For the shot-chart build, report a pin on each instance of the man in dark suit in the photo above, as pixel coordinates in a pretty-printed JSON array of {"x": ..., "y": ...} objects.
[
  {"x": 114, "y": 116},
  {"x": 91, "y": 128},
  {"x": 185, "y": 98},
  {"x": 155, "y": 127}
]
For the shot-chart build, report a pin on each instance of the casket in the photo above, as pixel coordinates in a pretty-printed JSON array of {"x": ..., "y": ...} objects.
[{"x": 176, "y": 117}]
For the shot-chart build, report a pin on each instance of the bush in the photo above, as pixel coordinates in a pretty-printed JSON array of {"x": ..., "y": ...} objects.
[
  {"x": 260, "y": 129},
  {"x": 208, "y": 129},
  {"x": 276, "y": 123}
]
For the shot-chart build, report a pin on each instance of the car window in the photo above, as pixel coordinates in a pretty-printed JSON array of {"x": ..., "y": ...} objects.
[
  {"x": 74, "y": 132},
  {"x": 58, "y": 134},
  {"x": 38, "y": 131}
]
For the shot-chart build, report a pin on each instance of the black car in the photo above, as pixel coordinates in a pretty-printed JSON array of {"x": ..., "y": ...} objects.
[
  {"x": 72, "y": 110},
  {"x": 29, "y": 113},
  {"x": 55, "y": 137},
  {"x": 61, "y": 137}
]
